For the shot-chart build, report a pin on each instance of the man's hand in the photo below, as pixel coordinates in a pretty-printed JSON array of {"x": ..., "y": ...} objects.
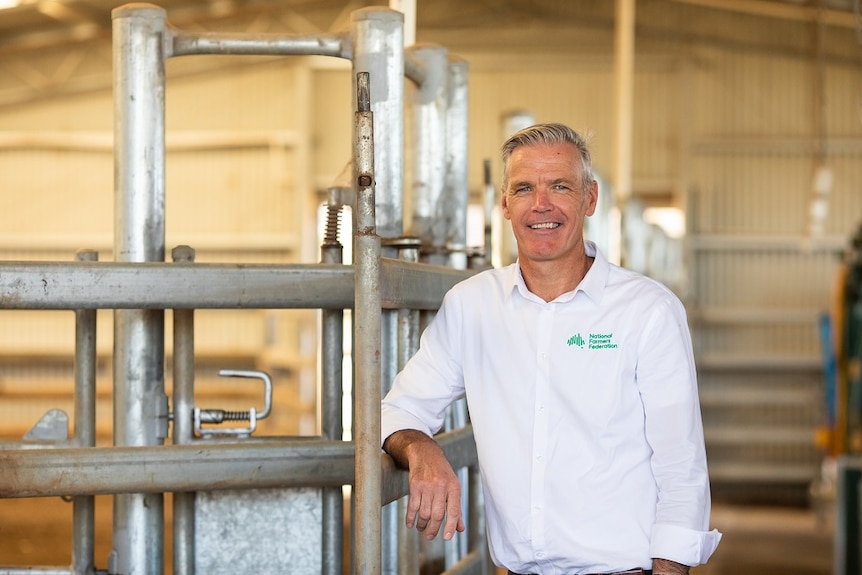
[
  {"x": 435, "y": 493},
  {"x": 668, "y": 567}
]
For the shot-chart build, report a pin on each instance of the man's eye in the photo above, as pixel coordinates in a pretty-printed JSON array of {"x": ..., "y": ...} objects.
[
  {"x": 561, "y": 187},
  {"x": 522, "y": 189}
]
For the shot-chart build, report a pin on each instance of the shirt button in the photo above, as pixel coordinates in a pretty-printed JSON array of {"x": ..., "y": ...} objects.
[{"x": 540, "y": 554}]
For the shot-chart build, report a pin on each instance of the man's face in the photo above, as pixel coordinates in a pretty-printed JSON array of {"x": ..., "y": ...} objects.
[{"x": 545, "y": 200}]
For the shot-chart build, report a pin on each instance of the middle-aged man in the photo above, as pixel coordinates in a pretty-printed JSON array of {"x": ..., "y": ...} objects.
[{"x": 581, "y": 387}]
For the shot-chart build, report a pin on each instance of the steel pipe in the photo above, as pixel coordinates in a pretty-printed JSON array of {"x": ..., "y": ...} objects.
[
  {"x": 429, "y": 151},
  {"x": 174, "y": 468},
  {"x": 204, "y": 466},
  {"x": 140, "y": 403},
  {"x": 407, "y": 539},
  {"x": 118, "y": 285},
  {"x": 367, "y": 396},
  {"x": 457, "y": 194},
  {"x": 378, "y": 36},
  {"x": 184, "y": 43},
  {"x": 84, "y": 507},
  {"x": 332, "y": 357},
  {"x": 183, "y": 519}
]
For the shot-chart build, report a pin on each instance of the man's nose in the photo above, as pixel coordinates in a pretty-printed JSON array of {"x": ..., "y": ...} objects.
[{"x": 541, "y": 198}]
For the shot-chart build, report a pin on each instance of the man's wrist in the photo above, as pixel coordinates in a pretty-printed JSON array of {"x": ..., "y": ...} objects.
[{"x": 668, "y": 567}]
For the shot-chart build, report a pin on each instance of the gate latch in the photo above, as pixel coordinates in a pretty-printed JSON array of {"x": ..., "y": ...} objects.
[{"x": 218, "y": 416}]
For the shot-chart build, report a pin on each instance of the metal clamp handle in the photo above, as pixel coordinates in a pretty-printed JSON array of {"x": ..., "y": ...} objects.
[{"x": 217, "y": 416}]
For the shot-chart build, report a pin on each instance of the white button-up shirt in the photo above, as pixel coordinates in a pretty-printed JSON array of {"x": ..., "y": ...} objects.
[{"x": 585, "y": 414}]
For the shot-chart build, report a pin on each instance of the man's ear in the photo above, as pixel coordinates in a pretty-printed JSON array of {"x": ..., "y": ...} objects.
[
  {"x": 504, "y": 203},
  {"x": 593, "y": 198}
]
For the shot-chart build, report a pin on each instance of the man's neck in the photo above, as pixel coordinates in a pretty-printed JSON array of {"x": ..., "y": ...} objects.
[{"x": 549, "y": 280}]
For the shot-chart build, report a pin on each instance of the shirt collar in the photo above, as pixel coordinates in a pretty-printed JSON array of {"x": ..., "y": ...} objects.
[{"x": 593, "y": 284}]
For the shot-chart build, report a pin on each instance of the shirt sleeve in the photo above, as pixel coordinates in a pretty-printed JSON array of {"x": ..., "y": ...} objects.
[
  {"x": 431, "y": 380},
  {"x": 667, "y": 382}
]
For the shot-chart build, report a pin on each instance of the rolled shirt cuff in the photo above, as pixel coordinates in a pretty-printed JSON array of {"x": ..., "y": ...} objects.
[{"x": 683, "y": 545}]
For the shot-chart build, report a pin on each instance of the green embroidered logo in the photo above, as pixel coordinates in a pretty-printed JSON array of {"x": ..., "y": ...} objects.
[
  {"x": 576, "y": 340},
  {"x": 602, "y": 341},
  {"x": 596, "y": 341}
]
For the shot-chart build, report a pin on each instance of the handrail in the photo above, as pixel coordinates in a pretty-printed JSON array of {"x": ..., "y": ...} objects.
[{"x": 203, "y": 466}]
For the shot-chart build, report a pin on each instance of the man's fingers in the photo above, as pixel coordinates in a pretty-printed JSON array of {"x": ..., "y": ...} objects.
[
  {"x": 452, "y": 525},
  {"x": 412, "y": 516},
  {"x": 454, "y": 518}
]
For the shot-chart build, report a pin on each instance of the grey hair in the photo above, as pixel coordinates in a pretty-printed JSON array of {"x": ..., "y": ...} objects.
[{"x": 545, "y": 134}]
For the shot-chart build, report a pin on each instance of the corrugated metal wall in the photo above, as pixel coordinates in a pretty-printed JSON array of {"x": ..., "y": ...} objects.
[{"x": 759, "y": 281}]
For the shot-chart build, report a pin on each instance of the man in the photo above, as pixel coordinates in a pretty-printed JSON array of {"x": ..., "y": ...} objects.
[{"x": 581, "y": 387}]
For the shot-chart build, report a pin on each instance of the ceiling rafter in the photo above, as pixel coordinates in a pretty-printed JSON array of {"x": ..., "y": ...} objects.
[{"x": 38, "y": 33}]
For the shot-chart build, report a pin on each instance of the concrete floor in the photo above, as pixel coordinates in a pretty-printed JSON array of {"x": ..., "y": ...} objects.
[
  {"x": 757, "y": 540},
  {"x": 771, "y": 541}
]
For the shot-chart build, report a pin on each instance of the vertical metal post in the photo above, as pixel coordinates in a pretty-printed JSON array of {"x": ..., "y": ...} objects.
[
  {"x": 457, "y": 173},
  {"x": 378, "y": 36},
  {"x": 332, "y": 326},
  {"x": 428, "y": 153},
  {"x": 624, "y": 40},
  {"x": 369, "y": 474},
  {"x": 408, "y": 338},
  {"x": 378, "y": 51},
  {"x": 456, "y": 201},
  {"x": 140, "y": 403},
  {"x": 624, "y": 56},
  {"x": 510, "y": 123},
  {"x": 84, "y": 507},
  {"x": 183, "y": 428}
]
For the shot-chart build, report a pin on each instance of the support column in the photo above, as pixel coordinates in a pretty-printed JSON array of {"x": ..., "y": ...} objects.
[
  {"x": 428, "y": 151},
  {"x": 379, "y": 50},
  {"x": 140, "y": 403},
  {"x": 457, "y": 169},
  {"x": 624, "y": 48}
]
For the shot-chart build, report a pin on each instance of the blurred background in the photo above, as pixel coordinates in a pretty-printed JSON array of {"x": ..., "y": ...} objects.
[{"x": 727, "y": 136}]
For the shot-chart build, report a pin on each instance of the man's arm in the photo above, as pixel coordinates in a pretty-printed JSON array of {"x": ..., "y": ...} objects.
[
  {"x": 435, "y": 492},
  {"x": 668, "y": 567}
]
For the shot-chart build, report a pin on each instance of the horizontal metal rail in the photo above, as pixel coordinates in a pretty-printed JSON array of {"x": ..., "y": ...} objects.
[
  {"x": 185, "y": 43},
  {"x": 471, "y": 564},
  {"x": 202, "y": 466},
  {"x": 124, "y": 285}
]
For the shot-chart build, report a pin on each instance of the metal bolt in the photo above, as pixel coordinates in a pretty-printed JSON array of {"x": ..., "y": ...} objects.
[{"x": 183, "y": 254}]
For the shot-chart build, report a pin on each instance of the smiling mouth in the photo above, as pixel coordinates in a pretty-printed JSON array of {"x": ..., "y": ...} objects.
[{"x": 545, "y": 226}]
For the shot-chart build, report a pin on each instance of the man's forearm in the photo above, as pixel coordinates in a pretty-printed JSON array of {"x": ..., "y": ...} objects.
[
  {"x": 399, "y": 443},
  {"x": 668, "y": 567}
]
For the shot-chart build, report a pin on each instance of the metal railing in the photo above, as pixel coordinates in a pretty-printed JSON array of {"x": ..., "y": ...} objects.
[{"x": 386, "y": 287}]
